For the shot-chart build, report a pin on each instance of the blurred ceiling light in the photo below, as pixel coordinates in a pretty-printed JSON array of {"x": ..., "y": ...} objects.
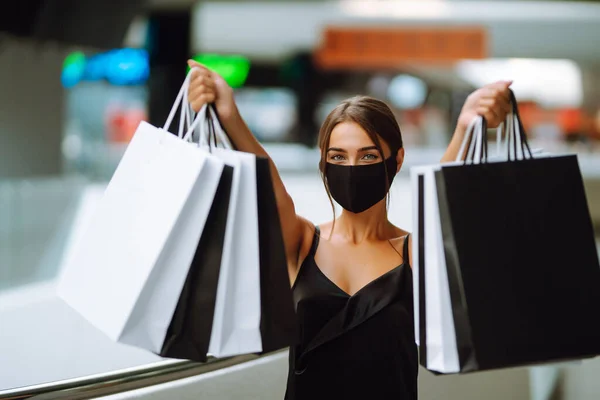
[
  {"x": 470, "y": 10},
  {"x": 550, "y": 83},
  {"x": 407, "y": 92},
  {"x": 416, "y": 9}
]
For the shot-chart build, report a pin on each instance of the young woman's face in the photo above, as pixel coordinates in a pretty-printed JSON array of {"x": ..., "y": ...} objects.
[{"x": 349, "y": 144}]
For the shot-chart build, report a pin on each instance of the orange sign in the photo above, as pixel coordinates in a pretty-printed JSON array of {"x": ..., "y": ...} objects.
[{"x": 344, "y": 47}]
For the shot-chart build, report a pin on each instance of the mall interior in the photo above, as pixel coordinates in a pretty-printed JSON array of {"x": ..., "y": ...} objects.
[{"x": 78, "y": 77}]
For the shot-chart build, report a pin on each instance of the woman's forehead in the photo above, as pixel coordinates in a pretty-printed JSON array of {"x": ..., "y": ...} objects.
[{"x": 351, "y": 136}]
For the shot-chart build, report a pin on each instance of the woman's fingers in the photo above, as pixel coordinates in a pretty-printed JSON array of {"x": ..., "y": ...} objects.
[
  {"x": 207, "y": 86},
  {"x": 493, "y": 108},
  {"x": 196, "y": 64},
  {"x": 201, "y": 77},
  {"x": 504, "y": 96},
  {"x": 202, "y": 88},
  {"x": 198, "y": 102},
  {"x": 494, "y": 103},
  {"x": 490, "y": 115}
]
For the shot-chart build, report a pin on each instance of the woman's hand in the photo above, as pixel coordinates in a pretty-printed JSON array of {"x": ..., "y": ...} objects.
[
  {"x": 208, "y": 87},
  {"x": 491, "y": 102}
]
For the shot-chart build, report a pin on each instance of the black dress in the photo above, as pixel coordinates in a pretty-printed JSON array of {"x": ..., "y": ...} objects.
[{"x": 353, "y": 347}]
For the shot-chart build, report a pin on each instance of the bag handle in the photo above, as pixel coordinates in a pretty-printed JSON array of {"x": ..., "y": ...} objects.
[
  {"x": 207, "y": 122},
  {"x": 467, "y": 139},
  {"x": 515, "y": 142},
  {"x": 474, "y": 153},
  {"x": 219, "y": 134},
  {"x": 477, "y": 143},
  {"x": 179, "y": 101},
  {"x": 209, "y": 128},
  {"x": 516, "y": 146},
  {"x": 185, "y": 116},
  {"x": 519, "y": 134}
]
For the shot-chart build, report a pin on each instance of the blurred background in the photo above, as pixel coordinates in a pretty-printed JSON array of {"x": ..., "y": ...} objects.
[{"x": 78, "y": 76}]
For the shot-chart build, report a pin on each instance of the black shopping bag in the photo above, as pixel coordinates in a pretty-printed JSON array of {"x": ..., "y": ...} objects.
[
  {"x": 278, "y": 323},
  {"x": 189, "y": 333},
  {"x": 522, "y": 262}
]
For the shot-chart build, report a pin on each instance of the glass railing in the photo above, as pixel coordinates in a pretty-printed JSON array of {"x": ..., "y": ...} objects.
[
  {"x": 35, "y": 220},
  {"x": 45, "y": 346},
  {"x": 42, "y": 340},
  {"x": 118, "y": 381}
]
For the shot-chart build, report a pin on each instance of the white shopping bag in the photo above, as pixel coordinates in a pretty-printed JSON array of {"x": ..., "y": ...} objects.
[
  {"x": 126, "y": 275},
  {"x": 429, "y": 261},
  {"x": 236, "y": 323},
  {"x": 442, "y": 353}
]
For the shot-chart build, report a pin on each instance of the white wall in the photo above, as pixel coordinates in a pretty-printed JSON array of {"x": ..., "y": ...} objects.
[{"x": 31, "y": 108}]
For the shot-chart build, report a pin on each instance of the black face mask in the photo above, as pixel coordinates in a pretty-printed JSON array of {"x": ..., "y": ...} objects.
[{"x": 359, "y": 187}]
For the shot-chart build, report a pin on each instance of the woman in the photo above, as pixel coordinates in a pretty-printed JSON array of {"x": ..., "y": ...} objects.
[{"x": 351, "y": 278}]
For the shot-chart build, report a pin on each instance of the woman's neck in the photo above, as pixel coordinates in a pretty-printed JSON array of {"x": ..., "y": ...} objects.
[{"x": 372, "y": 224}]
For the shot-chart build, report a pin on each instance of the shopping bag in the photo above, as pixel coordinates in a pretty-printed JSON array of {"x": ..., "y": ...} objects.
[
  {"x": 191, "y": 329},
  {"x": 277, "y": 318},
  {"x": 127, "y": 273},
  {"x": 188, "y": 336},
  {"x": 278, "y": 323},
  {"x": 218, "y": 312},
  {"x": 521, "y": 260},
  {"x": 434, "y": 325},
  {"x": 236, "y": 323},
  {"x": 432, "y": 308}
]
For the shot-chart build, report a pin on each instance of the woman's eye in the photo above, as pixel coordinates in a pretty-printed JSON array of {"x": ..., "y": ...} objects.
[
  {"x": 337, "y": 157},
  {"x": 371, "y": 157}
]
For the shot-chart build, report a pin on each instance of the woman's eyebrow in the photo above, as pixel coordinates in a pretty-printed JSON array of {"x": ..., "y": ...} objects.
[
  {"x": 340, "y": 150},
  {"x": 368, "y": 148}
]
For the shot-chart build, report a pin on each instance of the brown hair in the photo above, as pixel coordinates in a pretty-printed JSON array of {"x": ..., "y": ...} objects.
[{"x": 374, "y": 116}]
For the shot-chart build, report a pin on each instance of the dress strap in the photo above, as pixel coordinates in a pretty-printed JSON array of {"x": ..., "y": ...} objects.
[
  {"x": 310, "y": 257},
  {"x": 315, "y": 242},
  {"x": 405, "y": 250}
]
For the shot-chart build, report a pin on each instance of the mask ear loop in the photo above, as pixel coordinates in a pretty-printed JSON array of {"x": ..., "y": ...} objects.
[
  {"x": 323, "y": 164},
  {"x": 389, "y": 194},
  {"x": 387, "y": 177}
]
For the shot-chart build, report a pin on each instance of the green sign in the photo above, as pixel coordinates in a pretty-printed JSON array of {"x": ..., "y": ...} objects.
[{"x": 234, "y": 69}]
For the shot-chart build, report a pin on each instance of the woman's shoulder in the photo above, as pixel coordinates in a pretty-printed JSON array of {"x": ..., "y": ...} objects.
[
  {"x": 402, "y": 241},
  {"x": 399, "y": 233},
  {"x": 325, "y": 229},
  {"x": 400, "y": 237}
]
